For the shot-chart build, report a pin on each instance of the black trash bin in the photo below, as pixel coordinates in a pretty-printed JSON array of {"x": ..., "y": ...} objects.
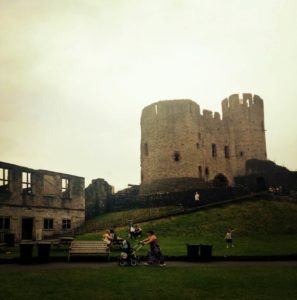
[
  {"x": 193, "y": 252},
  {"x": 26, "y": 250},
  {"x": 9, "y": 239},
  {"x": 43, "y": 249},
  {"x": 205, "y": 252}
]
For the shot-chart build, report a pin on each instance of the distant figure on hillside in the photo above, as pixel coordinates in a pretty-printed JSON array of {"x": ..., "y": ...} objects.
[
  {"x": 137, "y": 231},
  {"x": 228, "y": 238},
  {"x": 197, "y": 198},
  {"x": 131, "y": 232}
]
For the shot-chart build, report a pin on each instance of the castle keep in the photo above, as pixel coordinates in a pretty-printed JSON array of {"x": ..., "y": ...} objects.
[{"x": 182, "y": 148}]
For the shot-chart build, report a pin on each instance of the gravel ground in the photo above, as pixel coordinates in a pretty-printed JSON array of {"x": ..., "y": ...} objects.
[{"x": 98, "y": 265}]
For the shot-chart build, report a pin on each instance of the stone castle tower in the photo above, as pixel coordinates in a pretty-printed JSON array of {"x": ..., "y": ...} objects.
[{"x": 182, "y": 148}]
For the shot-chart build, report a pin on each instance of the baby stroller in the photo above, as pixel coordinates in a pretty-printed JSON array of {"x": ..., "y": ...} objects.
[{"x": 129, "y": 257}]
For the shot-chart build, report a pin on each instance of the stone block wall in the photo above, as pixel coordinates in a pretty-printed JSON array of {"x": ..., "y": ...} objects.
[
  {"x": 98, "y": 194},
  {"x": 40, "y": 203}
]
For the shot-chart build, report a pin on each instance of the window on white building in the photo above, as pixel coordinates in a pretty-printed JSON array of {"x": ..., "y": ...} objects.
[
  {"x": 4, "y": 181},
  {"x": 26, "y": 183},
  {"x": 48, "y": 224},
  {"x": 66, "y": 224}
]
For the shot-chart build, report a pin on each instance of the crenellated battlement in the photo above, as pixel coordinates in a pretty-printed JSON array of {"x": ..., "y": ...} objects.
[
  {"x": 210, "y": 115},
  {"x": 171, "y": 111},
  {"x": 238, "y": 101},
  {"x": 170, "y": 107},
  {"x": 207, "y": 114},
  {"x": 178, "y": 106},
  {"x": 217, "y": 116}
]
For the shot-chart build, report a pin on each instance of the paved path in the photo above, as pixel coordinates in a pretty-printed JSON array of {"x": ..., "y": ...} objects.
[{"x": 82, "y": 265}]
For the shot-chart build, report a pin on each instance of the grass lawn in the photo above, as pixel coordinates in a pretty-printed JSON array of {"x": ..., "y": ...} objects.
[
  {"x": 264, "y": 227},
  {"x": 197, "y": 282}
]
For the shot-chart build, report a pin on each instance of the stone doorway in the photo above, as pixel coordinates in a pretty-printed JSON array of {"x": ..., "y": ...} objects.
[
  {"x": 220, "y": 180},
  {"x": 27, "y": 228},
  {"x": 261, "y": 184}
]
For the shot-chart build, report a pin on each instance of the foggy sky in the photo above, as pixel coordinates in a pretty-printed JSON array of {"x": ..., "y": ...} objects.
[{"x": 75, "y": 75}]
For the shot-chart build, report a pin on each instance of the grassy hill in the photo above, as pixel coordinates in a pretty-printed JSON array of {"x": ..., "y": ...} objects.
[
  {"x": 112, "y": 219},
  {"x": 262, "y": 227}
]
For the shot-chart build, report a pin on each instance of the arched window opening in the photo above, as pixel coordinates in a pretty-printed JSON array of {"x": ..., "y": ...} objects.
[
  {"x": 200, "y": 171},
  {"x": 214, "y": 150},
  {"x": 227, "y": 152},
  {"x": 176, "y": 156},
  {"x": 146, "y": 151}
]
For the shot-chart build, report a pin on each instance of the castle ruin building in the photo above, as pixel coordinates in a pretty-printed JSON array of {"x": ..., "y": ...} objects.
[
  {"x": 36, "y": 204},
  {"x": 182, "y": 148}
]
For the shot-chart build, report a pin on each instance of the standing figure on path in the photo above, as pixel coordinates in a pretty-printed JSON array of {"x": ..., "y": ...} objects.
[
  {"x": 197, "y": 198},
  {"x": 228, "y": 238}
]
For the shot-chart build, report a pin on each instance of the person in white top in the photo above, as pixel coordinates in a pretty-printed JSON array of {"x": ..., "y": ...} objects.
[
  {"x": 131, "y": 232},
  {"x": 197, "y": 198},
  {"x": 228, "y": 238}
]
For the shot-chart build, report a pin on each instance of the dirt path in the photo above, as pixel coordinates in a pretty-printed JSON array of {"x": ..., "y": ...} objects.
[{"x": 82, "y": 265}]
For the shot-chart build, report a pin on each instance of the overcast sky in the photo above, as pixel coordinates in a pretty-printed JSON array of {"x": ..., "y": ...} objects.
[{"x": 75, "y": 75}]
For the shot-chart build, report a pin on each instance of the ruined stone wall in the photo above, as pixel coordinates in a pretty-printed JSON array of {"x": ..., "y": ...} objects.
[
  {"x": 41, "y": 195},
  {"x": 97, "y": 195},
  {"x": 265, "y": 174},
  {"x": 177, "y": 141}
]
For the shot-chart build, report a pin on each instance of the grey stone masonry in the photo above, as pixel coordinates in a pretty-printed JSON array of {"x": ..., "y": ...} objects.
[
  {"x": 36, "y": 204},
  {"x": 178, "y": 141}
]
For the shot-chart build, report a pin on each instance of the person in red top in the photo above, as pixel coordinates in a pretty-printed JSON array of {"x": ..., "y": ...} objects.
[{"x": 155, "y": 254}]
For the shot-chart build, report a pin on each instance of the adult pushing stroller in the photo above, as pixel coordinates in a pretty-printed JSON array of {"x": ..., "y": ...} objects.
[
  {"x": 129, "y": 255},
  {"x": 155, "y": 256}
]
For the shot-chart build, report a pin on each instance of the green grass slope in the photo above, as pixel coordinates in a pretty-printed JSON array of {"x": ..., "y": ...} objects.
[
  {"x": 262, "y": 227},
  {"x": 109, "y": 220}
]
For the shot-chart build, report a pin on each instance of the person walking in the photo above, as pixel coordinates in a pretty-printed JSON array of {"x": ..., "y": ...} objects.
[{"x": 155, "y": 254}]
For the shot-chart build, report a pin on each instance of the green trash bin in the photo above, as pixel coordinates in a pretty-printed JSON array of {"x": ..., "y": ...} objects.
[
  {"x": 43, "y": 250},
  {"x": 26, "y": 251},
  {"x": 9, "y": 239},
  {"x": 193, "y": 252},
  {"x": 205, "y": 252}
]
